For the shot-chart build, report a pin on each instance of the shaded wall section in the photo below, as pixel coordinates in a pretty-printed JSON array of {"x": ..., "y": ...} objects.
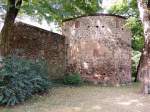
[
  {"x": 33, "y": 42},
  {"x": 99, "y": 48}
]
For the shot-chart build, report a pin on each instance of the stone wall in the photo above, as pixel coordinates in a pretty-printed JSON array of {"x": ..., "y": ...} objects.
[
  {"x": 99, "y": 48},
  {"x": 96, "y": 46},
  {"x": 33, "y": 42}
]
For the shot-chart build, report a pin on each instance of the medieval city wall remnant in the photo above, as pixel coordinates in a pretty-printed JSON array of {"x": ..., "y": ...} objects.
[
  {"x": 33, "y": 42},
  {"x": 99, "y": 48}
]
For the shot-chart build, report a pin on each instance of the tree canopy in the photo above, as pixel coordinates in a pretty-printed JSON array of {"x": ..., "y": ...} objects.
[{"x": 56, "y": 10}]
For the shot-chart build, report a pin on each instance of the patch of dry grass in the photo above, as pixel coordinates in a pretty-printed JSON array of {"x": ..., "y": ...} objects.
[{"x": 87, "y": 99}]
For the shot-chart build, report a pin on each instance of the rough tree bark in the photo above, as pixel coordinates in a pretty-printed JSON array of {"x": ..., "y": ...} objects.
[
  {"x": 137, "y": 77},
  {"x": 144, "y": 71},
  {"x": 12, "y": 11}
]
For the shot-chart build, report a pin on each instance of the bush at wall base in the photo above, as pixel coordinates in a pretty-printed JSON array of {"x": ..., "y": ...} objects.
[
  {"x": 72, "y": 79},
  {"x": 20, "y": 78}
]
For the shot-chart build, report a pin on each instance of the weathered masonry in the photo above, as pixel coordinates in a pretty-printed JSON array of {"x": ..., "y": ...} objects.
[
  {"x": 34, "y": 42},
  {"x": 99, "y": 48}
]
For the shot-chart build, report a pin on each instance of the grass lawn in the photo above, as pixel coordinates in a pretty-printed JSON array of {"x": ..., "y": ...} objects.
[{"x": 87, "y": 99}]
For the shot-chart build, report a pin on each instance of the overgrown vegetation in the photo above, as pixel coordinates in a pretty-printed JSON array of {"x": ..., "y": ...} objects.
[
  {"x": 20, "y": 78},
  {"x": 73, "y": 79},
  {"x": 135, "y": 61}
]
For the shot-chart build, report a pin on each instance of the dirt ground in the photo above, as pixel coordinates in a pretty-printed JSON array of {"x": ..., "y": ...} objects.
[{"x": 87, "y": 99}]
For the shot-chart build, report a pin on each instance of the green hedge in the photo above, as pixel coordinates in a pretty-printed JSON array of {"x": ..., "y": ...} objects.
[
  {"x": 20, "y": 78},
  {"x": 72, "y": 79}
]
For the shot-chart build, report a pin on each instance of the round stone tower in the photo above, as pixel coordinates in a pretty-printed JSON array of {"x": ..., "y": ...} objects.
[{"x": 99, "y": 48}]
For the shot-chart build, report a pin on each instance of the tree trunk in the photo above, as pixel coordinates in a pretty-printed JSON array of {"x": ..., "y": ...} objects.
[
  {"x": 12, "y": 11},
  {"x": 138, "y": 77},
  {"x": 144, "y": 71}
]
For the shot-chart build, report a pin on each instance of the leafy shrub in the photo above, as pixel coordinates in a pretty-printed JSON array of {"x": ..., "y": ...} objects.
[
  {"x": 72, "y": 79},
  {"x": 135, "y": 61},
  {"x": 21, "y": 78}
]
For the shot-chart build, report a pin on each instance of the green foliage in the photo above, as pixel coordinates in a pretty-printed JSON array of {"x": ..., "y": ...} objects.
[
  {"x": 72, "y": 79},
  {"x": 137, "y": 33},
  {"x": 21, "y": 78},
  {"x": 120, "y": 7},
  {"x": 126, "y": 8},
  {"x": 57, "y": 10},
  {"x": 135, "y": 61}
]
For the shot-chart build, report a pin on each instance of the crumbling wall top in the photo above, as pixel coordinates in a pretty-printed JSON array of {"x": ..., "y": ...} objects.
[{"x": 96, "y": 14}]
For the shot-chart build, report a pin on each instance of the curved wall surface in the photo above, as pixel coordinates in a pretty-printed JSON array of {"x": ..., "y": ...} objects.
[{"x": 99, "y": 48}]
